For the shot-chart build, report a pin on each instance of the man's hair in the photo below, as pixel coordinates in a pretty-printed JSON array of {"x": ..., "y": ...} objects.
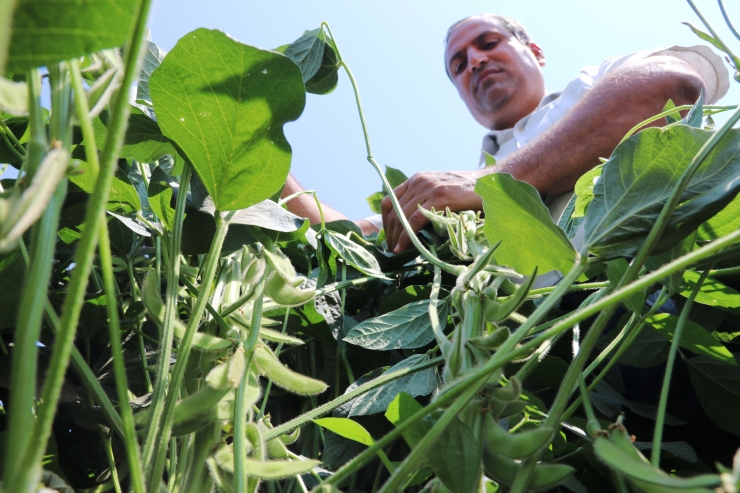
[{"x": 512, "y": 25}]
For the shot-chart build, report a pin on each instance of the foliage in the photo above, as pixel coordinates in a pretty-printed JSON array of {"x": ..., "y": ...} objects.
[{"x": 174, "y": 328}]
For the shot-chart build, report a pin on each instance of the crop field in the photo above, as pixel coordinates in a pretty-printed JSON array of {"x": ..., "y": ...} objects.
[{"x": 167, "y": 325}]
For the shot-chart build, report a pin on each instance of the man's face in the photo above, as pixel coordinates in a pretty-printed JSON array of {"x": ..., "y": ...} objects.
[{"x": 497, "y": 76}]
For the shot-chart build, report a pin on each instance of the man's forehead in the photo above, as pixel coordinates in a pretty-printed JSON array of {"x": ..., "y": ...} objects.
[{"x": 472, "y": 27}]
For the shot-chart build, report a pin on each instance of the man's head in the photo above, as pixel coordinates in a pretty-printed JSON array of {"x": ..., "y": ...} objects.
[{"x": 496, "y": 68}]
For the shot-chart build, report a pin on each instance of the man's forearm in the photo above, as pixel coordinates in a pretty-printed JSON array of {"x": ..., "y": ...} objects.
[{"x": 555, "y": 160}]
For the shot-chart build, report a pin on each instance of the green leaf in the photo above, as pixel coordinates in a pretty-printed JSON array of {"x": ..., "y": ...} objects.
[
  {"x": 152, "y": 59},
  {"x": 374, "y": 201},
  {"x": 584, "y": 190},
  {"x": 49, "y": 31},
  {"x": 326, "y": 77},
  {"x": 160, "y": 196},
  {"x": 649, "y": 349},
  {"x": 346, "y": 428},
  {"x": 724, "y": 222},
  {"x": 395, "y": 176},
  {"x": 144, "y": 140},
  {"x": 693, "y": 338},
  {"x": 402, "y": 408},
  {"x": 718, "y": 388},
  {"x": 489, "y": 160},
  {"x": 225, "y": 103},
  {"x": 528, "y": 236},
  {"x": 353, "y": 254},
  {"x": 307, "y": 52},
  {"x": 615, "y": 270},
  {"x": 712, "y": 292},
  {"x": 459, "y": 466},
  {"x": 405, "y": 328},
  {"x": 673, "y": 117},
  {"x": 122, "y": 196},
  {"x": 13, "y": 97},
  {"x": 377, "y": 400},
  {"x": 639, "y": 177}
]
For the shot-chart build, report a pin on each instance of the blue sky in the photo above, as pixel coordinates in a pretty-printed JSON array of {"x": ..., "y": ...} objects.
[{"x": 394, "y": 47}]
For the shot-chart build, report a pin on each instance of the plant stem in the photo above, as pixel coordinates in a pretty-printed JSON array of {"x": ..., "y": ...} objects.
[
  {"x": 452, "y": 269},
  {"x": 168, "y": 324},
  {"x": 106, "y": 266},
  {"x": 24, "y": 481},
  {"x": 24, "y": 360},
  {"x": 663, "y": 114},
  {"x": 154, "y": 472},
  {"x": 240, "y": 413},
  {"x": 725, "y": 48},
  {"x": 362, "y": 389},
  {"x": 663, "y": 403},
  {"x": 729, "y": 22}
]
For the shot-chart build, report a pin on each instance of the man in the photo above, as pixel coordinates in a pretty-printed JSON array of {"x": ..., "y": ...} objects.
[{"x": 548, "y": 140}]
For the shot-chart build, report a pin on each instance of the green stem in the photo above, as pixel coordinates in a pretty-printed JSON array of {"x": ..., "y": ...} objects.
[
  {"x": 106, "y": 266},
  {"x": 240, "y": 411},
  {"x": 154, "y": 472},
  {"x": 37, "y": 144},
  {"x": 25, "y": 480},
  {"x": 28, "y": 328},
  {"x": 663, "y": 403},
  {"x": 725, "y": 48},
  {"x": 669, "y": 112},
  {"x": 452, "y": 269},
  {"x": 12, "y": 143},
  {"x": 168, "y": 324},
  {"x": 575, "y": 287},
  {"x": 729, "y": 22},
  {"x": 362, "y": 389}
]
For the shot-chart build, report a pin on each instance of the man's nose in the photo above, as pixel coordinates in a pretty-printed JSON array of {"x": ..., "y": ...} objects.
[{"x": 476, "y": 59}]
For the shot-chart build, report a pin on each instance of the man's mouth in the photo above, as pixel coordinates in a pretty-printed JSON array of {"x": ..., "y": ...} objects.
[{"x": 485, "y": 78}]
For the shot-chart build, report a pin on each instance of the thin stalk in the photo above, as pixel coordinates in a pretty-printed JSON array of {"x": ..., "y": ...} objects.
[
  {"x": 28, "y": 328},
  {"x": 729, "y": 22},
  {"x": 663, "y": 403},
  {"x": 362, "y": 389},
  {"x": 240, "y": 411},
  {"x": 37, "y": 144},
  {"x": 119, "y": 365},
  {"x": 663, "y": 114},
  {"x": 575, "y": 287},
  {"x": 172, "y": 466},
  {"x": 26, "y": 480},
  {"x": 155, "y": 468},
  {"x": 106, "y": 266},
  {"x": 13, "y": 144},
  {"x": 316, "y": 199},
  {"x": 110, "y": 458},
  {"x": 725, "y": 48},
  {"x": 168, "y": 325},
  {"x": 452, "y": 269}
]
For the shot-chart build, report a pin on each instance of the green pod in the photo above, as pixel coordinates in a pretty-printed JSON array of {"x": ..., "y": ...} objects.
[
  {"x": 286, "y": 291},
  {"x": 228, "y": 375},
  {"x": 198, "y": 403},
  {"x": 509, "y": 392},
  {"x": 504, "y": 471},
  {"x": 496, "y": 312},
  {"x": 618, "y": 436},
  {"x": 189, "y": 270},
  {"x": 256, "y": 440},
  {"x": 593, "y": 428},
  {"x": 188, "y": 427},
  {"x": 516, "y": 445},
  {"x": 276, "y": 449},
  {"x": 275, "y": 336},
  {"x": 502, "y": 409},
  {"x": 289, "y": 438},
  {"x": 623, "y": 463},
  {"x": 284, "y": 377},
  {"x": 644, "y": 487},
  {"x": 491, "y": 341}
]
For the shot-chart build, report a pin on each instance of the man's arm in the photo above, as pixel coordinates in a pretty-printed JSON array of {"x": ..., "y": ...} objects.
[
  {"x": 304, "y": 205},
  {"x": 554, "y": 161}
]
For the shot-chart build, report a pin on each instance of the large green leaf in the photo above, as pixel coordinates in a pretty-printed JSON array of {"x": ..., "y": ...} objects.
[
  {"x": 639, "y": 177},
  {"x": 326, "y": 77},
  {"x": 693, "y": 338},
  {"x": 122, "y": 196},
  {"x": 49, "y": 31},
  {"x": 459, "y": 465},
  {"x": 717, "y": 386},
  {"x": 402, "y": 408},
  {"x": 712, "y": 292},
  {"x": 723, "y": 223},
  {"x": 377, "y": 400},
  {"x": 144, "y": 140},
  {"x": 225, "y": 103},
  {"x": 405, "y": 328},
  {"x": 307, "y": 52},
  {"x": 516, "y": 216}
]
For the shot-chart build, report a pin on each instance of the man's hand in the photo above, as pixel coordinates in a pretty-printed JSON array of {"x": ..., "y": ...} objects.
[{"x": 438, "y": 189}]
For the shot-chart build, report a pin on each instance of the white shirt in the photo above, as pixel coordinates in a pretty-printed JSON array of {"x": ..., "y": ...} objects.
[{"x": 555, "y": 105}]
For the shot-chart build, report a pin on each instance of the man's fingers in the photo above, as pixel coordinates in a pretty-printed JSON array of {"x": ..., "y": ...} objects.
[{"x": 416, "y": 221}]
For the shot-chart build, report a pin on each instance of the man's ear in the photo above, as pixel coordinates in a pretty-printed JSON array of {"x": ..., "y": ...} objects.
[{"x": 538, "y": 53}]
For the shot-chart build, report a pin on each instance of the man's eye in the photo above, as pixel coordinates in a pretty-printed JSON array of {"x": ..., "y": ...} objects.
[
  {"x": 458, "y": 68},
  {"x": 490, "y": 45}
]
